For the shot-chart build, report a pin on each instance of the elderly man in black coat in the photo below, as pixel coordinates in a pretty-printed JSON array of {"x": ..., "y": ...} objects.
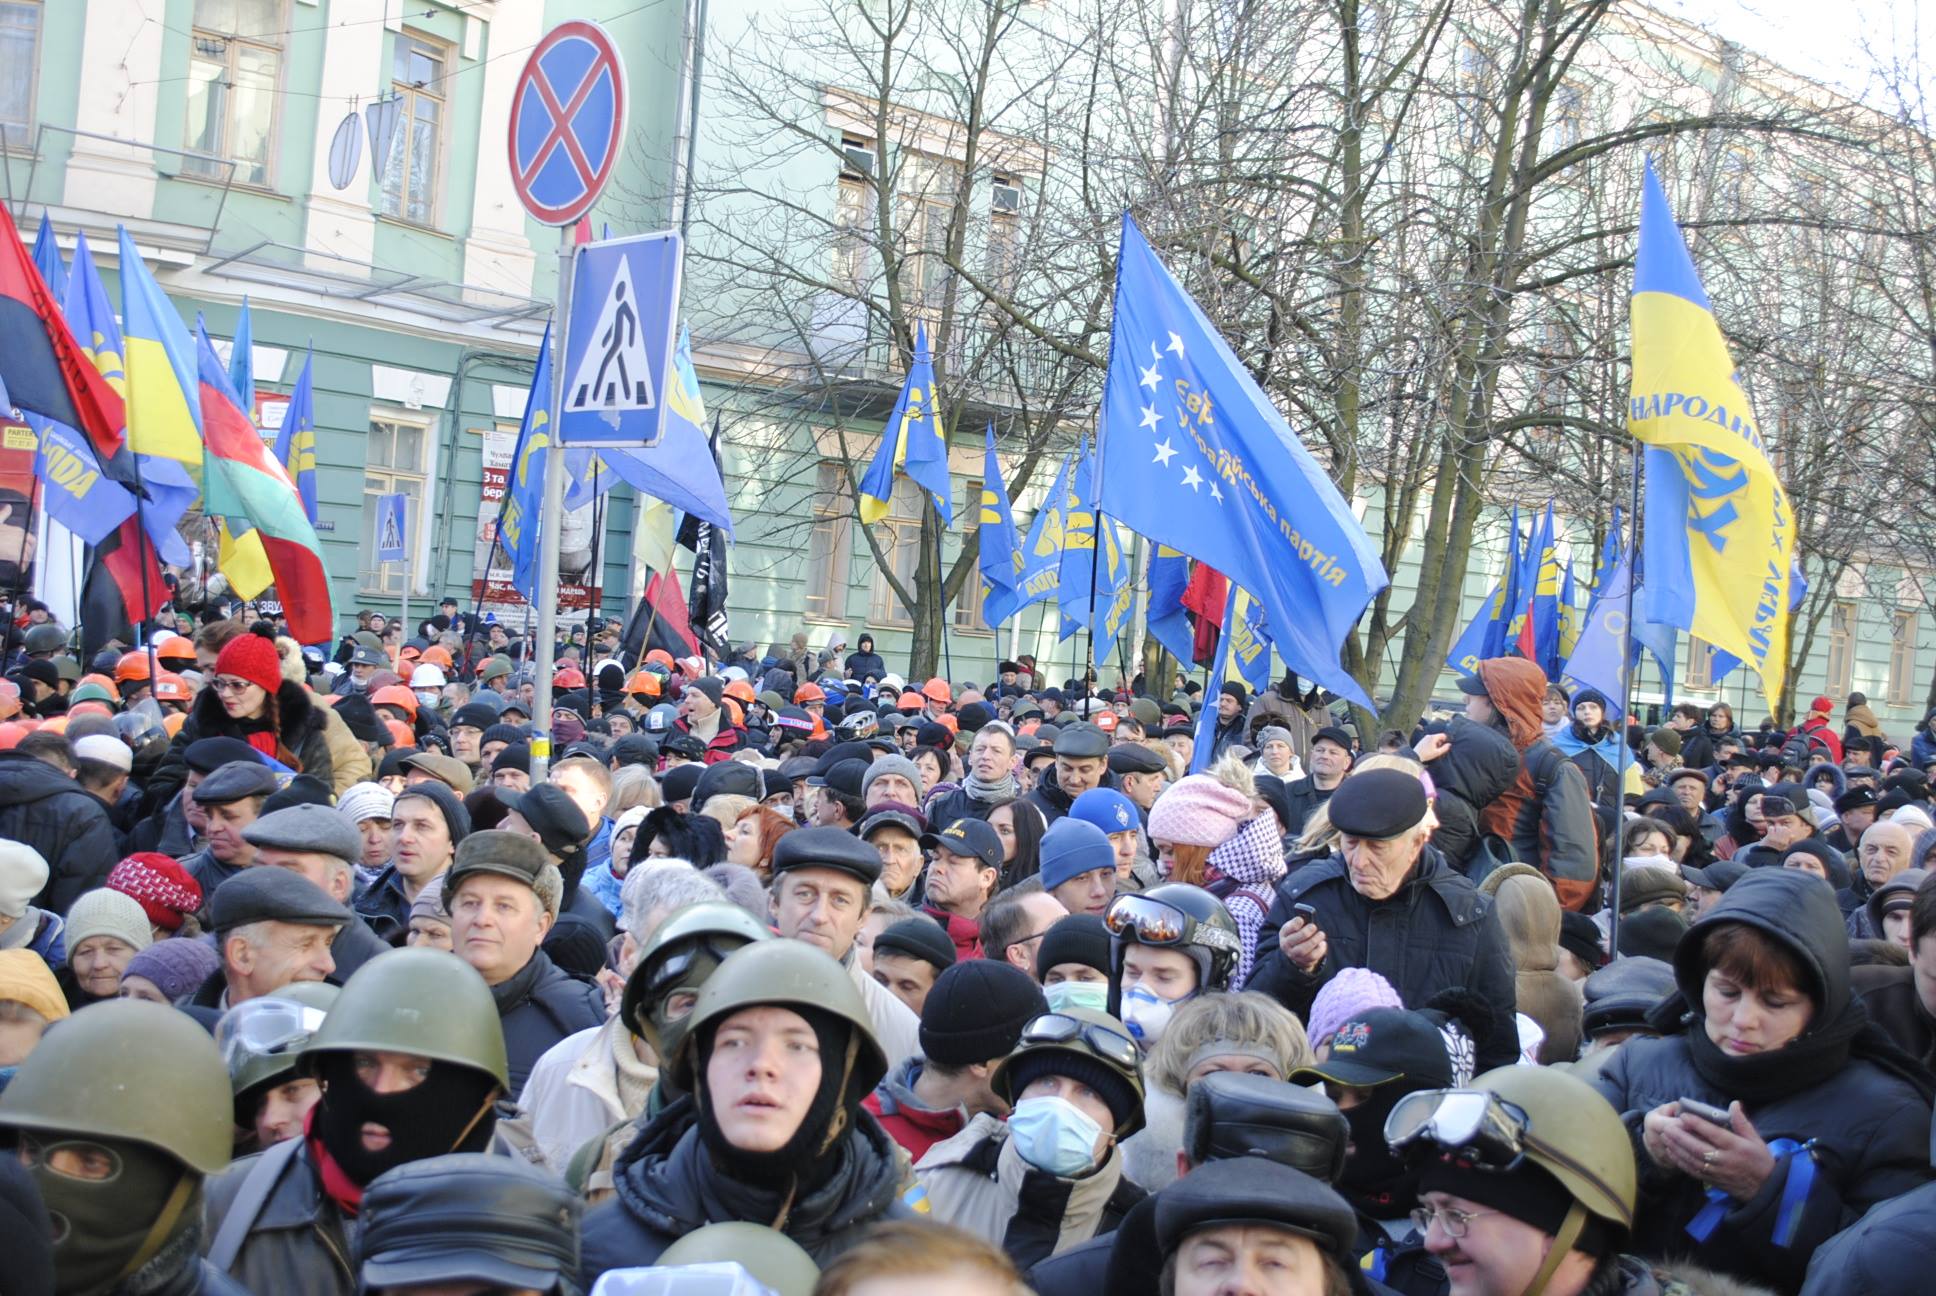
[{"x": 1388, "y": 902}]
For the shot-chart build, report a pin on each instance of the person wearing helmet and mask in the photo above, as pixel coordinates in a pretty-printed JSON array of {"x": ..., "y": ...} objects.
[
  {"x": 121, "y": 1167},
  {"x": 777, "y": 1056},
  {"x": 1167, "y": 945},
  {"x": 1051, "y": 1176},
  {"x": 260, "y": 1040},
  {"x": 410, "y": 1061}
]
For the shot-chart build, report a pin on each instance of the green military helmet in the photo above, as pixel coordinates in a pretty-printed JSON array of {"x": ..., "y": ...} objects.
[
  {"x": 774, "y": 1260},
  {"x": 1574, "y": 1134},
  {"x": 46, "y": 638},
  {"x": 260, "y": 1039},
  {"x": 92, "y": 693},
  {"x": 133, "y": 1070},
  {"x": 421, "y": 1001},
  {"x": 1083, "y": 1033},
  {"x": 712, "y": 925},
  {"x": 784, "y": 974}
]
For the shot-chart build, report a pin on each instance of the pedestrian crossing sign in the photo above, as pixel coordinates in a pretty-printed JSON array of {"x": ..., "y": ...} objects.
[
  {"x": 619, "y": 340},
  {"x": 392, "y": 525},
  {"x": 613, "y": 374}
]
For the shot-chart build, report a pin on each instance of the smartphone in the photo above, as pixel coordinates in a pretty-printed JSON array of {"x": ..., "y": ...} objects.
[
  {"x": 1712, "y": 1115},
  {"x": 1306, "y": 912}
]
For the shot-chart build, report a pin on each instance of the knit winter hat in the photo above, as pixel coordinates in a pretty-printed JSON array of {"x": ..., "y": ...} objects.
[
  {"x": 23, "y": 872},
  {"x": 163, "y": 888},
  {"x": 1079, "y": 938},
  {"x": 253, "y": 658},
  {"x": 25, "y": 978},
  {"x": 1273, "y": 733},
  {"x": 976, "y": 1012},
  {"x": 901, "y": 765},
  {"x": 176, "y": 966},
  {"x": 102, "y": 912},
  {"x": 1197, "y": 810},
  {"x": 1351, "y": 993},
  {"x": 361, "y": 801}
]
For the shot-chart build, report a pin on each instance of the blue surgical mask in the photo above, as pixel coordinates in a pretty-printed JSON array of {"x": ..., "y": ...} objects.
[
  {"x": 1055, "y": 1135},
  {"x": 1064, "y": 995},
  {"x": 1147, "y": 1014}
]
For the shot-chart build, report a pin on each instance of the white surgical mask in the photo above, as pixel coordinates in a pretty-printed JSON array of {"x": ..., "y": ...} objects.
[
  {"x": 1064, "y": 995},
  {"x": 1055, "y": 1135}
]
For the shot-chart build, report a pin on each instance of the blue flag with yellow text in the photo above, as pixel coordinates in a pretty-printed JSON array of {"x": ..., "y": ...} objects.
[
  {"x": 296, "y": 442},
  {"x": 1001, "y": 558},
  {"x": 524, "y": 492},
  {"x": 1719, "y": 539},
  {"x": 1093, "y": 574},
  {"x": 1042, "y": 551},
  {"x": 1195, "y": 456},
  {"x": 912, "y": 443},
  {"x": 1168, "y": 620},
  {"x": 1485, "y": 635}
]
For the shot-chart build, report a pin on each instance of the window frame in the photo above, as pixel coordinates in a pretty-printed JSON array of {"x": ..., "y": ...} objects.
[
  {"x": 406, "y": 115},
  {"x": 235, "y": 165},
  {"x": 372, "y": 578},
  {"x": 1839, "y": 674},
  {"x": 1900, "y": 691},
  {"x": 23, "y": 142},
  {"x": 965, "y": 617},
  {"x": 1698, "y": 670},
  {"x": 833, "y": 522}
]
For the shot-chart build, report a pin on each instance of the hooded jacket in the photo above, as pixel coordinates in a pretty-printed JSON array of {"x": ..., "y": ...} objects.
[
  {"x": 43, "y": 808},
  {"x": 1547, "y": 814},
  {"x": 665, "y": 1186},
  {"x": 303, "y": 730},
  {"x": 901, "y": 1114},
  {"x": 864, "y": 661},
  {"x": 1529, "y": 913},
  {"x": 1869, "y": 1120},
  {"x": 1475, "y": 771},
  {"x": 1435, "y": 931},
  {"x": 1922, "y": 748}
]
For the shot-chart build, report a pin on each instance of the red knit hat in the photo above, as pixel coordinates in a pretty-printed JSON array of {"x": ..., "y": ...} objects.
[
  {"x": 251, "y": 657},
  {"x": 163, "y": 888}
]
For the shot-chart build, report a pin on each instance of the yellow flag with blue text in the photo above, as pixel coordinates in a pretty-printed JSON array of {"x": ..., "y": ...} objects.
[{"x": 1719, "y": 536}]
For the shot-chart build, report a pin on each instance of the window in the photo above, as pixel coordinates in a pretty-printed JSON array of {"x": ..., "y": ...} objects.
[
  {"x": 398, "y": 448},
  {"x": 967, "y": 618},
  {"x": 899, "y": 536},
  {"x": 927, "y": 202},
  {"x": 1841, "y": 647},
  {"x": 853, "y": 232},
  {"x": 234, "y": 66},
  {"x": 1902, "y": 657},
  {"x": 1004, "y": 236},
  {"x": 856, "y": 157},
  {"x": 410, "y": 173},
  {"x": 1699, "y": 672},
  {"x": 1566, "y": 114},
  {"x": 19, "y": 57},
  {"x": 827, "y": 546}
]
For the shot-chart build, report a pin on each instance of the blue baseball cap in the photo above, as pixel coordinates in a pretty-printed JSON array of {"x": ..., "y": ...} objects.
[
  {"x": 1072, "y": 847},
  {"x": 1106, "y": 808}
]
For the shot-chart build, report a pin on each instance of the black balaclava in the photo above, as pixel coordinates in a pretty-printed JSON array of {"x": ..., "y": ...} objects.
[
  {"x": 448, "y": 1112},
  {"x": 1376, "y": 1181},
  {"x": 106, "y": 1230},
  {"x": 802, "y": 1163}
]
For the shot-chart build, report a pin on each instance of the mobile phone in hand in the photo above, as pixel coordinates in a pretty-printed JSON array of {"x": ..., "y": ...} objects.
[{"x": 1712, "y": 1115}]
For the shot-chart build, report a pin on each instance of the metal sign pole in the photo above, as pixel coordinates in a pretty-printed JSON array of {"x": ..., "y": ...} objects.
[{"x": 551, "y": 523}]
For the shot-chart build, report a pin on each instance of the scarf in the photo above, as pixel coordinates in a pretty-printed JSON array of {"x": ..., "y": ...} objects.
[
  {"x": 1243, "y": 873},
  {"x": 336, "y": 1182},
  {"x": 20, "y": 934},
  {"x": 1809, "y": 1060},
  {"x": 998, "y": 793}
]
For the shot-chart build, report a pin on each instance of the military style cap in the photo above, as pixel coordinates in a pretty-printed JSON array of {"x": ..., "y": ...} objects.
[
  {"x": 367, "y": 656},
  {"x": 316, "y": 829},
  {"x": 1377, "y": 804},
  {"x": 1135, "y": 758},
  {"x": 974, "y": 838},
  {"x": 234, "y": 781},
  {"x": 828, "y": 848},
  {"x": 272, "y": 895},
  {"x": 467, "y": 1217},
  {"x": 1246, "y": 1192},
  {"x": 1082, "y": 740}
]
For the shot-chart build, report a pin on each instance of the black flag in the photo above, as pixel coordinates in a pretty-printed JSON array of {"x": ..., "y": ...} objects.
[{"x": 706, "y": 603}]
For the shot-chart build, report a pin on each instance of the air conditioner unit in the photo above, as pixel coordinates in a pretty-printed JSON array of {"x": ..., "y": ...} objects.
[
  {"x": 1008, "y": 196},
  {"x": 857, "y": 158}
]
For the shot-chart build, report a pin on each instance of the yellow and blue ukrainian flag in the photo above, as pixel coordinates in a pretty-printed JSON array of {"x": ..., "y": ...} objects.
[{"x": 911, "y": 444}]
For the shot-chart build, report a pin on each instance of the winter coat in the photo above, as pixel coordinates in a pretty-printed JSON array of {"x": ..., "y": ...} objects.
[
  {"x": 1051, "y": 800},
  {"x": 1818, "y": 732},
  {"x": 1891, "y": 1249},
  {"x": 978, "y": 1182},
  {"x": 724, "y": 743},
  {"x": 167, "y": 832},
  {"x": 665, "y": 1186},
  {"x": 1530, "y": 914},
  {"x": 1546, "y": 814},
  {"x": 901, "y": 1114},
  {"x": 304, "y": 731},
  {"x": 1861, "y": 722},
  {"x": 1272, "y": 707},
  {"x": 355, "y": 944},
  {"x": 896, "y": 1028},
  {"x": 1225, "y": 734},
  {"x": 1303, "y": 797},
  {"x": 1599, "y": 760},
  {"x": 578, "y": 1089},
  {"x": 299, "y": 1244},
  {"x": 1889, "y": 993},
  {"x": 349, "y": 763},
  {"x": 1436, "y": 931},
  {"x": 1922, "y": 747},
  {"x": 384, "y": 907},
  {"x": 862, "y": 664},
  {"x": 1474, "y": 772},
  {"x": 1868, "y": 1122},
  {"x": 43, "y": 808},
  {"x": 538, "y": 1006}
]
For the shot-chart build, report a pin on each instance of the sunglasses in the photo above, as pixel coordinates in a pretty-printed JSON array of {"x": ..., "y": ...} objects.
[{"x": 1055, "y": 1028}]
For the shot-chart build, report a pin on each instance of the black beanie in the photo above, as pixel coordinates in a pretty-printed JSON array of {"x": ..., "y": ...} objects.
[
  {"x": 1079, "y": 938},
  {"x": 456, "y": 818},
  {"x": 976, "y": 1012},
  {"x": 1529, "y": 1193},
  {"x": 1110, "y": 1083},
  {"x": 803, "y": 1162},
  {"x": 1236, "y": 689},
  {"x": 920, "y": 937},
  {"x": 515, "y": 756}
]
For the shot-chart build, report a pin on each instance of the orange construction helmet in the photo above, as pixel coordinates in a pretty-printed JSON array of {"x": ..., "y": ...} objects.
[
  {"x": 398, "y": 696},
  {"x": 739, "y": 689},
  {"x": 910, "y": 701},
  {"x": 1105, "y": 720},
  {"x": 174, "y": 721},
  {"x": 58, "y": 724},
  {"x": 809, "y": 692},
  {"x": 401, "y": 734},
  {"x": 409, "y": 653},
  {"x": 937, "y": 690},
  {"x": 170, "y": 687},
  {"x": 95, "y": 677},
  {"x": 438, "y": 655},
  {"x": 734, "y": 712},
  {"x": 174, "y": 647},
  {"x": 568, "y": 677},
  {"x": 644, "y": 684},
  {"x": 132, "y": 666},
  {"x": 660, "y": 657},
  {"x": 12, "y": 732}
]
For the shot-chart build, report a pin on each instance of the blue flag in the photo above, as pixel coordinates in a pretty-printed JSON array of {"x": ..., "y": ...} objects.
[
  {"x": 1609, "y": 551},
  {"x": 1001, "y": 559},
  {"x": 1088, "y": 587},
  {"x": 242, "y": 361},
  {"x": 1196, "y": 457},
  {"x": 1250, "y": 643},
  {"x": 1168, "y": 620},
  {"x": 912, "y": 443},
  {"x": 296, "y": 442},
  {"x": 1200, "y": 761},
  {"x": 524, "y": 492},
  {"x": 47, "y": 259},
  {"x": 1042, "y": 551},
  {"x": 1485, "y": 635},
  {"x": 1603, "y": 656},
  {"x": 1569, "y": 617},
  {"x": 1511, "y": 598}
]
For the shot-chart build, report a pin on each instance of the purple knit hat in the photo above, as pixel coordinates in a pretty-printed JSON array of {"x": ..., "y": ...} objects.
[
  {"x": 1346, "y": 995},
  {"x": 177, "y": 965}
]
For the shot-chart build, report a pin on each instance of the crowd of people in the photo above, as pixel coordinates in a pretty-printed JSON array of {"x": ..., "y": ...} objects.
[{"x": 794, "y": 973}]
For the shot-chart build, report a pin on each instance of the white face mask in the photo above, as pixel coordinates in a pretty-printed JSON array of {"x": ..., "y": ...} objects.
[
  {"x": 1064, "y": 995},
  {"x": 1055, "y": 1135},
  {"x": 1148, "y": 1014}
]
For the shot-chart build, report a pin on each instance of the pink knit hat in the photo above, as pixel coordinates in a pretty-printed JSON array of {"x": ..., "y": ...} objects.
[
  {"x": 1198, "y": 811},
  {"x": 1351, "y": 992}
]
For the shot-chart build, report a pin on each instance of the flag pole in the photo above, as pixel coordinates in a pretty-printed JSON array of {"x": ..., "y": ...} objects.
[
  {"x": 941, "y": 609},
  {"x": 1626, "y": 706},
  {"x": 1095, "y": 560},
  {"x": 141, "y": 551},
  {"x": 19, "y": 590},
  {"x": 595, "y": 593}
]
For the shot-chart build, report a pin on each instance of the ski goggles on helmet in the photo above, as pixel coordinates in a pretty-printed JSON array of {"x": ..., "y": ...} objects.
[
  {"x": 1154, "y": 922},
  {"x": 1470, "y": 1125},
  {"x": 1055, "y": 1028},
  {"x": 670, "y": 970},
  {"x": 263, "y": 1028}
]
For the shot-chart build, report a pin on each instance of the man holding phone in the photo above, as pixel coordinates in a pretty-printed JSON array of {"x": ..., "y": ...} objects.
[{"x": 1387, "y": 901}]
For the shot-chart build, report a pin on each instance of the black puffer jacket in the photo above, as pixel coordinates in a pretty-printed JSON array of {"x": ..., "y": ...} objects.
[
  {"x": 43, "y": 808},
  {"x": 1867, "y": 1120},
  {"x": 1480, "y": 765},
  {"x": 302, "y": 732},
  {"x": 1436, "y": 931},
  {"x": 665, "y": 1186},
  {"x": 538, "y": 1006}
]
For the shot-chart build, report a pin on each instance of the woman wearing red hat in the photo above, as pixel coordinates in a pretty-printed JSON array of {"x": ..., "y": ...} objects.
[{"x": 248, "y": 698}]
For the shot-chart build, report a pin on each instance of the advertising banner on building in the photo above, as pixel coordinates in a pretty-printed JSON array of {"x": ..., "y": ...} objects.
[{"x": 491, "y": 566}]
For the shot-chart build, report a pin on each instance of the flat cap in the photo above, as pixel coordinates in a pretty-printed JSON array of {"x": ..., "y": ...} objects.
[
  {"x": 507, "y": 854},
  {"x": 554, "y": 816},
  {"x": 1377, "y": 804},
  {"x": 272, "y": 895},
  {"x": 828, "y": 848},
  {"x": 1620, "y": 995},
  {"x": 1135, "y": 758},
  {"x": 919, "y": 937},
  {"x": 848, "y": 778},
  {"x": 892, "y": 814},
  {"x": 234, "y": 781},
  {"x": 1254, "y": 1192},
  {"x": 727, "y": 778},
  {"x": 1081, "y": 740},
  {"x": 367, "y": 656},
  {"x": 448, "y": 770},
  {"x": 312, "y": 828}
]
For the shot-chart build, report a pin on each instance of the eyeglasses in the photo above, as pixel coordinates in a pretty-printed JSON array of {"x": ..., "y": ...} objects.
[
  {"x": 1455, "y": 1222},
  {"x": 1055, "y": 1028},
  {"x": 1471, "y": 1125},
  {"x": 229, "y": 684},
  {"x": 1152, "y": 922}
]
